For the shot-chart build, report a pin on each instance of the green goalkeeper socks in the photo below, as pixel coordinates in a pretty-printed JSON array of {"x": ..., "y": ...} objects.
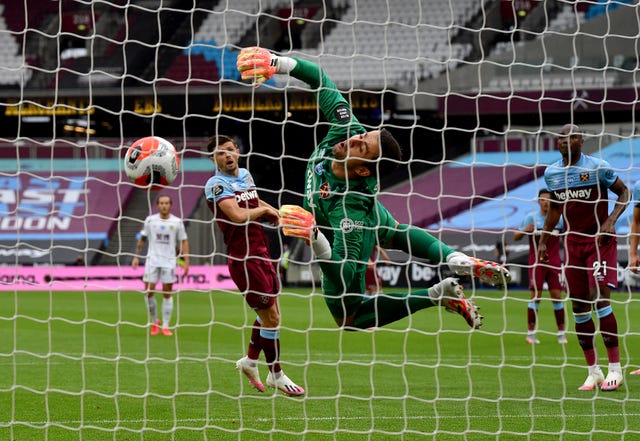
[
  {"x": 385, "y": 308},
  {"x": 417, "y": 242}
]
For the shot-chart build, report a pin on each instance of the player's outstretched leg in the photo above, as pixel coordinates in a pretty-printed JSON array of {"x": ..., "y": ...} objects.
[
  {"x": 594, "y": 379},
  {"x": 284, "y": 384},
  {"x": 613, "y": 381},
  {"x": 250, "y": 369},
  {"x": 489, "y": 272},
  {"x": 448, "y": 293}
]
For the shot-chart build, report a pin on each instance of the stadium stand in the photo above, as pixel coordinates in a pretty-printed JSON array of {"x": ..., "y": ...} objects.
[
  {"x": 432, "y": 198},
  {"x": 507, "y": 209},
  {"x": 192, "y": 68},
  {"x": 13, "y": 68},
  {"x": 211, "y": 54},
  {"x": 420, "y": 42}
]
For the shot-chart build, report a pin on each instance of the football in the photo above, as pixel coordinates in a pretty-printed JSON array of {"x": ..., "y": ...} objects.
[{"x": 151, "y": 161}]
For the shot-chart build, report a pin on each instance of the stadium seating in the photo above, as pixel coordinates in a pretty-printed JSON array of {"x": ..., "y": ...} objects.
[
  {"x": 506, "y": 210},
  {"x": 212, "y": 53},
  {"x": 432, "y": 198},
  {"x": 12, "y": 63},
  {"x": 229, "y": 21},
  {"x": 389, "y": 43},
  {"x": 191, "y": 68}
]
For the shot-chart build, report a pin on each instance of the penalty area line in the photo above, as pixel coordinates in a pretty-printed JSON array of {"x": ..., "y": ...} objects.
[{"x": 213, "y": 421}]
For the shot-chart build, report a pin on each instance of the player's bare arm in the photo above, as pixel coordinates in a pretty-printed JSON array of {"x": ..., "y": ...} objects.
[
  {"x": 184, "y": 248},
  {"x": 272, "y": 215},
  {"x": 526, "y": 230},
  {"x": 634, "y": 260},
  {"x": 135, "y": 262},
  {"x": 624, "y": 196},
  {"x": 553, "y": 217},
  {"x": 240, "y": 215}
]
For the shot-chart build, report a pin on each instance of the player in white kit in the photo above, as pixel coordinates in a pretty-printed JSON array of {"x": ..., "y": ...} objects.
[{"x": 167, "y": 238}]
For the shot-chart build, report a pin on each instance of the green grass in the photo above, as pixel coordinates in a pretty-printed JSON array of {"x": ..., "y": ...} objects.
[{"x": 82, "y": 366}]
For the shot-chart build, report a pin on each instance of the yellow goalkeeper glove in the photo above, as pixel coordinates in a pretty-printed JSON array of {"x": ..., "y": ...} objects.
[
  {"x": 297, "y": 222},
  {"x": 256, "y": 65}
]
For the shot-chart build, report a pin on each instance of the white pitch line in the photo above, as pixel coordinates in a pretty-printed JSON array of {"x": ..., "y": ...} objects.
[{"x": 300, "y": 419}]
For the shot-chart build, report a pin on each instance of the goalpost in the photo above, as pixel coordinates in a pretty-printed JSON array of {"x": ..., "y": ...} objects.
[{"x": 475, "y": 92}]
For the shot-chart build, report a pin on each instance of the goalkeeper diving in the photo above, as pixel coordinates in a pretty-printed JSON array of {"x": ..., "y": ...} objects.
[{"x": 343, "y": 221}]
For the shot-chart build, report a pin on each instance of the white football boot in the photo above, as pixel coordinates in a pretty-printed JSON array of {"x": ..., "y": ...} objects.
[
  {"x": 448, "y": 293},
  {"x": 250, "y": 369},
  {"x": 489, "y": 272},
  {"x": 284, "y": 384}
]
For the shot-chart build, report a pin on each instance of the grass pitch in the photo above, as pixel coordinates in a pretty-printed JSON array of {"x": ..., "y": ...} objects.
[{"x": 83, "y": 366}]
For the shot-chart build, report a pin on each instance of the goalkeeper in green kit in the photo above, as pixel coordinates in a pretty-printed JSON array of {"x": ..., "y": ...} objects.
[{"x": 342, "y": 220}]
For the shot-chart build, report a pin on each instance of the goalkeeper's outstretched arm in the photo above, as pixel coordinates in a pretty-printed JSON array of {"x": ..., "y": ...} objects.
[{"x": 258, "y": 65}]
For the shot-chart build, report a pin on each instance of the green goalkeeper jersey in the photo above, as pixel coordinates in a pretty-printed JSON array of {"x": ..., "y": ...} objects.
[{"x": 346, "y": 210}]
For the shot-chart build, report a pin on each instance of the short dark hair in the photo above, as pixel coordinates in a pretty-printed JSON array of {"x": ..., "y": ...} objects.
[
  {"x": 543, "y": 190},
  {"x": 390, "y": 155},
  {"x": 217, "y": 140},
  {"x": 570, "y": 130},
  {"x": 160, "y": 196}
]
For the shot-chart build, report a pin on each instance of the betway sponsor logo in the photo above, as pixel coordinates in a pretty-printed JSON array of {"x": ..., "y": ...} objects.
[
  {"x": 247, "y": 196},
  {"x": 573, "y": 194}
]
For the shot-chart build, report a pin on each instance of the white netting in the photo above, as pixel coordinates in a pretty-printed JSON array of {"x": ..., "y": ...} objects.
[{"x": 475, "y": 92}]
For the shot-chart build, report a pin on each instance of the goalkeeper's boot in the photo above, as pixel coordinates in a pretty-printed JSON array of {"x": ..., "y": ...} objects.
[
  {"x": 613, "y": 381},
  {"x": 594, "y": 379},
  {"x": 250, "y": 369},
  {"x": 448, "y": 293},
  {"x": 167, "y": 332},
  {"x": 489, "y": 272},
  {"x": 155, "y": 327},
  {"x": 284, "y": 384},
  {"x": 636, "y": 372}
]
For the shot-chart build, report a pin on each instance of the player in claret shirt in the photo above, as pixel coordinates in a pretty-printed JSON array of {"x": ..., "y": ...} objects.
[
  {"x": 232, "y": 197},
  {"x": 540, "y": 273},
  {"x": 579, "y": 186},
  {"x": 634, "y": 238}
]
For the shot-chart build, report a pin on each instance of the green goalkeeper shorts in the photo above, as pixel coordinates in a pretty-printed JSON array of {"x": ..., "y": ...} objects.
[{"x": 343, "y": 297}]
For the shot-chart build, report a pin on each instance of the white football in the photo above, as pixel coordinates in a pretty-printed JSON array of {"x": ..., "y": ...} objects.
[{"x": 151, "y": 161}]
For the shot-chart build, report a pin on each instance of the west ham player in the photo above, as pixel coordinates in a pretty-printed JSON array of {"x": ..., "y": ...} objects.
[
  {"x": 541, "y": 273},
  {"x": 340, "y": 192},
  {"x": 166, "y": 234},
  {"x": 579, "y": 186},
  {"x": 634, "y": 259},
  {"x": 232, "y": 197}
]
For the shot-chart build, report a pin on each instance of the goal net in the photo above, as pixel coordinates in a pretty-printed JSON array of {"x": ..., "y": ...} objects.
[{"x": 476, "y": 93}]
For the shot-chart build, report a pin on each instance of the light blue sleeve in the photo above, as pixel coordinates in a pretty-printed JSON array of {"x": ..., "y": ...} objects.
[
  {"x": 636, "y": 195},
  {"x": 527, "y": 220},
  {"x": 216, "y": 189},
  {"x": 606, "y": 174}
]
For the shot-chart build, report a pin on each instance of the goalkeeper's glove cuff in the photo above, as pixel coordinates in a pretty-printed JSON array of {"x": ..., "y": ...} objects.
[
  {"x": 283, "y": 65},
  {"x": 320, "y": 244}
]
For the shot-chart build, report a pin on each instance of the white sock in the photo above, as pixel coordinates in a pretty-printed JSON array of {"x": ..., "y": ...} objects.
[
  {"x": 167, "y": 310},
  {"x": 615, "y": 367},
  {"x": 435, "y": 292},
  {"x": 152, "y": 306}
]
